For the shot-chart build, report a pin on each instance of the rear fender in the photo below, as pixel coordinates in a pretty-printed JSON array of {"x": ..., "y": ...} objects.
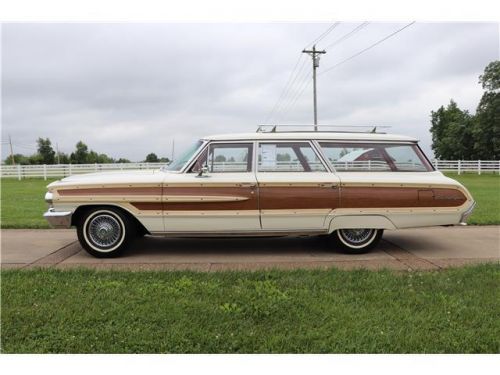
[{"x": 360, "y": 221}]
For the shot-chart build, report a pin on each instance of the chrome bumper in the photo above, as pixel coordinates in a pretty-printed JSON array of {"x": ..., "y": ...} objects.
[
  {"x": 467, "y": 213},
  {"x": 58, "y": 219}
]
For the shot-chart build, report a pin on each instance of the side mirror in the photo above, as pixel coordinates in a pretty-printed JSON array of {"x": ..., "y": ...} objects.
[{"x": 203, "y": 171}]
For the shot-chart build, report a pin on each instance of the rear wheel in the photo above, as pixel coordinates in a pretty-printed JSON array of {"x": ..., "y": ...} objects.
[
  {"x": 105, "y": 232},
  {"x": 356, "y": 240}
]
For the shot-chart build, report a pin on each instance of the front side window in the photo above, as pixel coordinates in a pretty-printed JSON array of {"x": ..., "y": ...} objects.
[
  {"x": 225, "y": 157},
  {"x": 289, "y": 157},
  {"x": 374, "y": 157},
  {"x": 179, "y": 163}
]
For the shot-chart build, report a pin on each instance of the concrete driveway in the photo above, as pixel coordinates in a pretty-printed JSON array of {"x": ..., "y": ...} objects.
[{"x": 409, "y": 249}]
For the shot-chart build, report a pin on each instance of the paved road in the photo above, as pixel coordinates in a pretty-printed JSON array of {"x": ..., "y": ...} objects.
[{"x": 423, "y": 249}]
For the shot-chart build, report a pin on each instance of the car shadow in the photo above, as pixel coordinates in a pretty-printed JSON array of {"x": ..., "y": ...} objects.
[{"x": 278, "y": 246}]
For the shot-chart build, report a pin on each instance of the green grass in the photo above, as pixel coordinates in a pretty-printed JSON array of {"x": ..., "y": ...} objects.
[
  {"x": 485, "y": 189},
  {"x": 23, "y": 204},
  {"x": 84, "y": 311}
]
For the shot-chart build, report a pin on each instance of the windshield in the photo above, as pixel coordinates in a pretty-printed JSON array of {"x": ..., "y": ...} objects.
[{"x": 179, "y": 162}]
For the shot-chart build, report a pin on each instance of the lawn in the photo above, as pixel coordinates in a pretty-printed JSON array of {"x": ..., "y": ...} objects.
[
  {"x": 303, "y": 311},
  {"x": 486, "y": 191},
  {"x": 23, "y": 204}
]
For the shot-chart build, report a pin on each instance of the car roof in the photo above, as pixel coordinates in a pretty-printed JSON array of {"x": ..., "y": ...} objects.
[{"x": 322, "y": 136}]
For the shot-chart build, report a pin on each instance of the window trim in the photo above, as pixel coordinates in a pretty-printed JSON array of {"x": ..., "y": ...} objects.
[
  {"x": 206, "y": 146},
  {"x": 308, "y": 141}
]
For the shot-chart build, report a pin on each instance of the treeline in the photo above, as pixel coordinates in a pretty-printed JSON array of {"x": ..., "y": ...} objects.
[
  {"x": 459, "y": 135},
  {"x": 82, "y": 155}
]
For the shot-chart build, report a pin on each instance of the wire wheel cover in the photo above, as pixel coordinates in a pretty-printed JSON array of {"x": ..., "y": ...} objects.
[
  {"x": 356, "y": 236},
  {"x": 104, "y": 230}
]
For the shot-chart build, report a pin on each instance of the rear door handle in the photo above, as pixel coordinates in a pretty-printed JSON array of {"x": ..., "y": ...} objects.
[
  {"x": 330, "y": 185},
  {"x": 248, "y": 184}
]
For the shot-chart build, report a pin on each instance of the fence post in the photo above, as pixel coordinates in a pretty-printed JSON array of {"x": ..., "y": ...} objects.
[
  {"x": 479, "y": 167},
  {"x": 95, "y": 167},
  {"x": 19, "y": 172},
  {"x": 70, "y": 170},
  {"x": 459, "y": 166},
  {"x": 45, "y": 172}
]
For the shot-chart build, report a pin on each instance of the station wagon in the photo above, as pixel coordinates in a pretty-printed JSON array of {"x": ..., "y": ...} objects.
[{"x": 347, "y": 186}]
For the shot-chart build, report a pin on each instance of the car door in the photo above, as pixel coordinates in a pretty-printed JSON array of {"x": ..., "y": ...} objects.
[
  {"x": 220, "y": 198},
  {"x": 296, "y": 189}
]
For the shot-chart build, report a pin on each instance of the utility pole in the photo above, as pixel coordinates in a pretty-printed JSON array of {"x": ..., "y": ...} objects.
[
  {"x": 173, "y": 148},
  {"x": 11, "y": 152},
  {"x": 57, "y": 150},
  {"x": 315, "y": 59}
]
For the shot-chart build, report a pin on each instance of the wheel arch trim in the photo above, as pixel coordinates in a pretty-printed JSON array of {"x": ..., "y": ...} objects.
[{"x": 360, "y": 221}]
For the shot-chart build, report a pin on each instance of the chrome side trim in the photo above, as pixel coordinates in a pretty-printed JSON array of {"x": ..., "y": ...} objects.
[
  {"x": 254, "y": 233},
  {"x": 58, "y": 219}
]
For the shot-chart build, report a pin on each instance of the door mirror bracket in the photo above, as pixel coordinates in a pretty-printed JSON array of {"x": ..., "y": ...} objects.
[{"x": 203, "y": 171}]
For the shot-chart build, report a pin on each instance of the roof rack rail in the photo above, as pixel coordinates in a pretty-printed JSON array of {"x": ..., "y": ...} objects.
[{"x": 275, "y": 128}]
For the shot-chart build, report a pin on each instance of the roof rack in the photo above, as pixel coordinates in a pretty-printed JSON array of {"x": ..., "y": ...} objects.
[{"x": 275, "y": 128}]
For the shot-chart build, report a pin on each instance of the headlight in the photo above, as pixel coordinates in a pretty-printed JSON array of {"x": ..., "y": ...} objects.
[{"x": 48, "y": 197}]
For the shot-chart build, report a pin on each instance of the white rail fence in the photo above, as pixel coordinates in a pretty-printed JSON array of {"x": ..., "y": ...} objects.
[{"x": 63, "y": 170}]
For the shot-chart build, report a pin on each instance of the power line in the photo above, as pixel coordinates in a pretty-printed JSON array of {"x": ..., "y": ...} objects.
[
  {"x": 285, "y": 89},
  {"x": 348, "y": 35},
  {"x": 367, "y": 48},
  {"x": 300, "y": 90},
  {"x": 303, "y": 78},
  {"x": 297, "y": 80},
  {"x": 294, "y": 74},
  {"x": 328, "y": 31}
]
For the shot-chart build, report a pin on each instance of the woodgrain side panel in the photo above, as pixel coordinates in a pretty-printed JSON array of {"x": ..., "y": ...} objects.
[
  {"x": 388, "y": 197},
  {"x": 296, "y": 197}
]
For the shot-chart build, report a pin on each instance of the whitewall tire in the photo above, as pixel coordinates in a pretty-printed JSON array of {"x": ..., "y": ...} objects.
[
  {"x": 105, "y": 232},
  {"x": 356, "y": 240}
]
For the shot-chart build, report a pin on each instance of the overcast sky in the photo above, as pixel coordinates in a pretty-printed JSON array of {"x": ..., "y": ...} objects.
[{"x": 129, "y": 89}]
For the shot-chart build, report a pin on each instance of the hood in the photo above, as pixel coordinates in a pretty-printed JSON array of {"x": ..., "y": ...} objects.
[{"x": 112, "y": 177}]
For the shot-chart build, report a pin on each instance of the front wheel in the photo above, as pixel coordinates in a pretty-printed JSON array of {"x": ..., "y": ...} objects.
[
  {"x": 356, "y": 240},
  {"x": 105, "y": 232}
]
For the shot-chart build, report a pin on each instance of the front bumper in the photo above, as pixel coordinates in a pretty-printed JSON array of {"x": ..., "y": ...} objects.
[
  {"x": 467, "y": 213},
  {"x": 58, "y": 219}
]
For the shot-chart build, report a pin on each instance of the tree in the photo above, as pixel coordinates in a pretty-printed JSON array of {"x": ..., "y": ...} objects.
[
  {"x": 220, "y": 159},
  {"x": 164, "y": 160},
  {"x": 283, "y": 157},
  {"x": 63, "y": 158},
  {"x": 451, "y": 132},
  {"x": 456, "y": 134},
  {"x": 152, "y": 158},
  {"x": 486, "y": 130},
  {"x": 81, "y": 154},
  {"x": 18, "y": 158},
  {"x": 123, "y": 160},
  {"x": 46, "y": 152},
  {"x": 490, "y": 79}
]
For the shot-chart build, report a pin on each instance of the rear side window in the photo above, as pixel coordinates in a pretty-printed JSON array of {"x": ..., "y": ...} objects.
[
  {"x": 289, "y": 157},
  {"x": 375, "y": 157}
]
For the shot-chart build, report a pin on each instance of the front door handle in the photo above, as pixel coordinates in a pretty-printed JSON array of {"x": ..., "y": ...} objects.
[{"x": 330, "y": 185}]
